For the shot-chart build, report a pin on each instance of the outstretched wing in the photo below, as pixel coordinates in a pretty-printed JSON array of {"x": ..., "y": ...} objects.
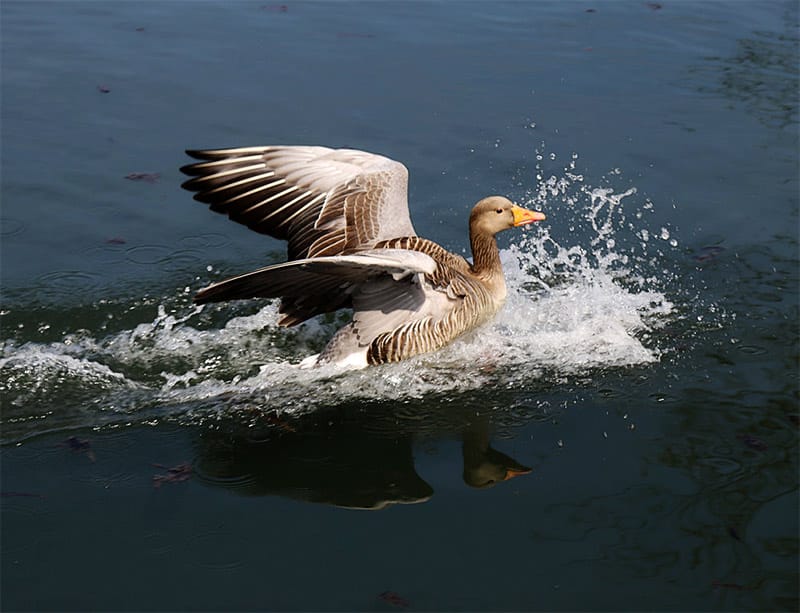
[
  {"x": 323, "y": 201},
  {"x": 322, "y": 284}
]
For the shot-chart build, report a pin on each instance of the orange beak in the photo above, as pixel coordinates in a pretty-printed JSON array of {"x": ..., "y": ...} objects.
[
  {"x": 510, "y": 473},
  {"x": 523, "y": 217}
]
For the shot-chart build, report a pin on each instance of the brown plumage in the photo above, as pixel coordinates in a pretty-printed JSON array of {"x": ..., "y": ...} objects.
[{"x": 351, "y": 244}]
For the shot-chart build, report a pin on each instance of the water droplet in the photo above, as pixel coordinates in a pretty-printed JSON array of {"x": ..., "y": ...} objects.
[{"x": 664, "y": 234}]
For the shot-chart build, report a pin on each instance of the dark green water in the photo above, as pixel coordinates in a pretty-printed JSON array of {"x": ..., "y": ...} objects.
[{"x": 641, "y": 382}]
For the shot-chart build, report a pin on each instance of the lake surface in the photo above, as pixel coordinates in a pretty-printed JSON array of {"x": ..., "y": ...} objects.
[{"x": 641, "y": 383}]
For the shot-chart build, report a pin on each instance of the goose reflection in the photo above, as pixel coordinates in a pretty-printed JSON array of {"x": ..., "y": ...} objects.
[
  {"x": 484, "y": 466},
  {"x": 357, "y": 459}
]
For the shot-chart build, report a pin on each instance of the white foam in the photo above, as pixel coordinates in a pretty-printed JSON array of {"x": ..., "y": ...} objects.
[
  {"x": 32, "y": 370},
  {"x": 572, "y": 307}
]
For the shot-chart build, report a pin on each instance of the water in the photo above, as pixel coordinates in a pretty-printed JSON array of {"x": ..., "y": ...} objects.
[{"x": 158, "y": 455}]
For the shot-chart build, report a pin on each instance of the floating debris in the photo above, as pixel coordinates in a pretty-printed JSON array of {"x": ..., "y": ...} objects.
[
  {"x": 730, "y": 586},
  {"x": 103, "y": 89},
  {"x": 753, "y": 442},
  {"x": 708, "y": 253},
  {"x": 275, "y": 8},
  {"x": 116, "y": 241},
  {"x": 175, "y": 474},
  {"x": 20, "y": 495},
  {"x": 395, "y": 599},
  {"x": 150, "y": 177}
]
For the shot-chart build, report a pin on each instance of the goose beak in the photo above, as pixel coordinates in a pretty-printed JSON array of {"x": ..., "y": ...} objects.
[
  {"x": 523, "y": 217},
  {"x": 511, "y": 473}
]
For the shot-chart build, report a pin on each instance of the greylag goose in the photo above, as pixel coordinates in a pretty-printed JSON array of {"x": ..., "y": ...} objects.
[{"x": 344, "y": 214}]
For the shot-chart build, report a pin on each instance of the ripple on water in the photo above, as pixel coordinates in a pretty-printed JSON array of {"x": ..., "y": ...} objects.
[
  {"x": 216, "y": 550},
  {"x": 66, "y": 285},
  {"x": 185, "y": 259},
  {"x": 613, "y": 393},
  {"x": 148, "y": 254},
  {"x": 205, "y": 241},
  {"x": 107, "y": 253},
  {"x": 752, "y": 349},
  {"x": 158, "y": 542},
  {"x": 719, "y": 466},
  {"x": 10, "y": 227}
]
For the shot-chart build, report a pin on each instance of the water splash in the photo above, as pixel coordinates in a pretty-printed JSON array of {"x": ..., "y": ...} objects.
[{"x": 583, "y": 297}]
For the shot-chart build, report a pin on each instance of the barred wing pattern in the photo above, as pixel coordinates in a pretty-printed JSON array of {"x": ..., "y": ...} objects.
[
  {"x": 322, "y": 201},
  {"x": 344, "y": 214}
]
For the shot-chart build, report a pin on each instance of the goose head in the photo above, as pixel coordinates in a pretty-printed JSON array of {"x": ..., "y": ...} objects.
[{"x": 496, "y": 213}]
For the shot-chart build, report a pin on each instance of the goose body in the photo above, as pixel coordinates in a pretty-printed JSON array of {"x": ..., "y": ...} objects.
[{"x": 351, "y": 244}]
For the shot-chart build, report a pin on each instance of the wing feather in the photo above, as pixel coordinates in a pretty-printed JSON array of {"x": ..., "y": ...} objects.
[
  {"x": 323, "y": 201},
  {"x": 319, "y": 285}
]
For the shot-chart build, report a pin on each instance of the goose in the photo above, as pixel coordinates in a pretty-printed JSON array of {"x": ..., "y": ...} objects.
[{"x": 344, "y": 214}]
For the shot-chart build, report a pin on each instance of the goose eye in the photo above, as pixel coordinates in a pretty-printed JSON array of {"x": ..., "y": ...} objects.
[{"x": 498, "y": 211}]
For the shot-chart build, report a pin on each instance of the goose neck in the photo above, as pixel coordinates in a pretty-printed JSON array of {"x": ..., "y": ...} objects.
[{"x": 485, "y": 255}]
